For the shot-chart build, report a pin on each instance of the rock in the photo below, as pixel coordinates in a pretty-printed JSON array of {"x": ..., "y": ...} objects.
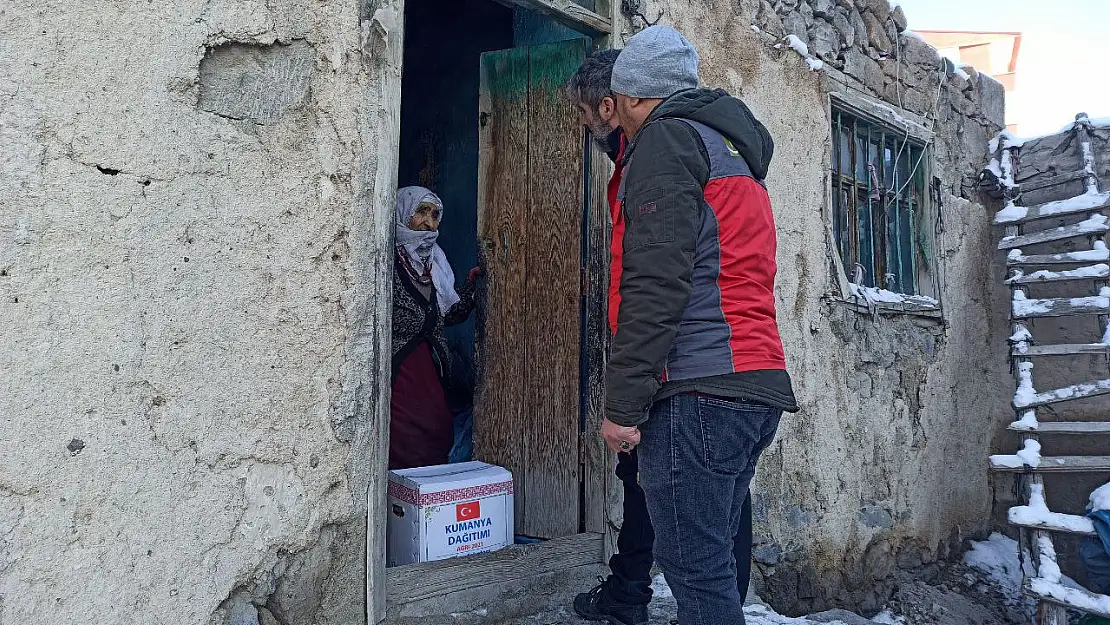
[
  {"x": 899, "y": 17},
  {"x": 265, "y": 617},
  {"x": 768, "y": 554},
  {"x": 918, "y": 53},
  {"x": 794, "y": 24},
  {"x": 823, "y": 8},
  {"x": 847, "y": 5},
  {"x": 876, "y": 34},
  {"x": 919, "y": 102},
  {"x": 839, "y": 616},
  {"x": 770, "y": 21},
  {"x": 825, "y": 43},
  {"x": 855, "y": 18},
  {"x": 876, "y": 517},
  {"x": 892, "y": 34},
  {"x": 844, "y": 27},
  {"x": 864, "y": 69},
  {"x": 880, "y": 8},
  {"x": 240, "y": 611},
  {"x": 807, "y": 13}
]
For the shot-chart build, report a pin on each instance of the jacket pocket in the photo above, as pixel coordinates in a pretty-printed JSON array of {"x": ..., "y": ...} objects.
[{"x": 650, "y": 220}]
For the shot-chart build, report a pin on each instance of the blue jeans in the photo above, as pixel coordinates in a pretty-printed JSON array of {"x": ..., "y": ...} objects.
[
  {"x": 697, "y": 457},
  {"x": 630, "y": 581}
]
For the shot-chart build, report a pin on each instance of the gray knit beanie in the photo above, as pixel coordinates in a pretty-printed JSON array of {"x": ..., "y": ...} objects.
[{"x": 657, "y": 63}]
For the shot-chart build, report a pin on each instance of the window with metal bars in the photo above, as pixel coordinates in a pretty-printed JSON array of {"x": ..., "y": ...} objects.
[{"x": 878, "y": 190}]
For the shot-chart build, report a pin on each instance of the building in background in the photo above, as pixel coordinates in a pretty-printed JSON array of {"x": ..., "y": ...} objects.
[{"x": 993, "y": 53}]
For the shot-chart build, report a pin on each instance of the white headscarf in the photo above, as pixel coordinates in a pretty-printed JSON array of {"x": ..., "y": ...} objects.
[{"x": 420, "y": 245}]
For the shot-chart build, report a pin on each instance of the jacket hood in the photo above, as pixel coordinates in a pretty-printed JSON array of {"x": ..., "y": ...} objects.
[{"x": 727, "y": 115}]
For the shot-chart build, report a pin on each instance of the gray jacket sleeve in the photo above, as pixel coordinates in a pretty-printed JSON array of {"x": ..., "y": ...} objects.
[{"x": 663, "y": 201}]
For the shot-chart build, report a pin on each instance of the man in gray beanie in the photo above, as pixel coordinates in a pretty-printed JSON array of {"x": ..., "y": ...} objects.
[{"x": 696, "y": 381}]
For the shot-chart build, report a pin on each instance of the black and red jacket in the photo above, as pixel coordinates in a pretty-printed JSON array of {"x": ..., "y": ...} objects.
[{"x": 691, "y": 298}]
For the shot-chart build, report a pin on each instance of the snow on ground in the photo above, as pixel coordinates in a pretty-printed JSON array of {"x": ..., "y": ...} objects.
[
  {"x": 887, "y": 618},
  {"x": 997, "y": 557},
  {"x": 754, "y": 614}
]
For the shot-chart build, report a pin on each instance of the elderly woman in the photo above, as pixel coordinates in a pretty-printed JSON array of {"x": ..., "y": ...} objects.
[{"x": 425, "y": 300}]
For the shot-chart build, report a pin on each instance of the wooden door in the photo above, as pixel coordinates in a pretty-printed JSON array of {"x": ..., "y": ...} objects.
[{"x": 528, "y": 415}]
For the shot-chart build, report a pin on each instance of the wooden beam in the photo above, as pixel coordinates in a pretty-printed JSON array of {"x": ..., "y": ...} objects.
[
  {"x": 1092, "y": 272},
  {"x": 1075, "y": 598},
  {"x": 1062, "y": 349},
  {"x": 597, "y": 459},
  {"x": 1039, "y": 182},
  {"x": 1086, "y": 256},
  {"x": 569, "y": 14},
  {"x": 1066, "y": 394},
  {"x": 1066, "y": 427},
  {"x": 1054, "y": 234},
  {"x": 415, "y": 582},
  {"x": 1061, "y": 464},
  {"x": 1061, "y": 307},
  {"x": 1061, "y": 208},
  {"x": 1057, "y": 528}
]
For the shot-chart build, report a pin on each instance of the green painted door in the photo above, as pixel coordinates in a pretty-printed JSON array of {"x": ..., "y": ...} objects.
[{"x": 530, "y": 222}]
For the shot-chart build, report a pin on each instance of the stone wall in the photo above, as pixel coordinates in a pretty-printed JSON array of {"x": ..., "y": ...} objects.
[
  {"x": 884, "y": 469},
  {"x": 192, "y": 319}
]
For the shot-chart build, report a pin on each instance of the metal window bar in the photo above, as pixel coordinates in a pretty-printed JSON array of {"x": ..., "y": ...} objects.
[{"x": 874, "y": 216}]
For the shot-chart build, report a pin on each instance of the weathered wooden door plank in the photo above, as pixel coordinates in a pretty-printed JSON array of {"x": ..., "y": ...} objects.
[
  {"x": 553, "y": 287},
  {"x": 502, "y": 211}
]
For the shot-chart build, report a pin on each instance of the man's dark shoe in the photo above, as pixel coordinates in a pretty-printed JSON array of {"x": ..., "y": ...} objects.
[{"x": 599, "y": 605}]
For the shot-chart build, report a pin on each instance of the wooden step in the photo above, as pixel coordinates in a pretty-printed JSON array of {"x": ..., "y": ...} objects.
[
  {"x": 1086, "y": 203},
  {"x": 1060, "y": 464},
  {"x": 1075, "y": 598},
  {"x": 1016, "y": 259},
  {"x": 1063, "y": 233},
  {"x": 1039, "y": 181},
  {"x": 1061, "y": 349},
  {"x": 1060, "y": 395},
  {"x": 1027, "y": 517},
  {"x": 1060, "y": 307},
  {"x": 1066, "y": 427},
  {"x": 1090, "y": 272}
]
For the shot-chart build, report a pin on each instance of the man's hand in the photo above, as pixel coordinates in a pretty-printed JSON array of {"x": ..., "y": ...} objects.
[{"x": 620, "y": 438}]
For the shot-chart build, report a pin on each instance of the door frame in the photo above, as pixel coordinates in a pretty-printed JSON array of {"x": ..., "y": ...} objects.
[{"x": 389, "y": 589}]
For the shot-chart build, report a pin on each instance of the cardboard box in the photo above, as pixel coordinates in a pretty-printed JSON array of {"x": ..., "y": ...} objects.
[{"x": 447, "y": 511}]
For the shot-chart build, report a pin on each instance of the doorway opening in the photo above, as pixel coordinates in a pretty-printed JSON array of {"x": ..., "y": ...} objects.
[{"x": 484, "y": 126}]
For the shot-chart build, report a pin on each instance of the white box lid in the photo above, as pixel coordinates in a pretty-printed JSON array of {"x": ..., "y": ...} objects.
[{"x": 449, "y": 482}]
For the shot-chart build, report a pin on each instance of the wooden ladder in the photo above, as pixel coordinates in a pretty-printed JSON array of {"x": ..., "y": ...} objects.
[{"x": 1037, "y": 225}]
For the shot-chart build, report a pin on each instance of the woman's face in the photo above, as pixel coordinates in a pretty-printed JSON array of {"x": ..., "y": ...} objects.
[{"x": 426, "y": 218}]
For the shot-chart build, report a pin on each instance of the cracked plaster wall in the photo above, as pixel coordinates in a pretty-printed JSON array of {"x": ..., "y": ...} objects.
[
  {"x": 190, "y": 307},
  {"x": 884, "y": 469}
]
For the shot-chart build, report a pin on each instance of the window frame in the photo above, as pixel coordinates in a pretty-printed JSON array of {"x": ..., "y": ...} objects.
[{"x": 899, "y": 126}]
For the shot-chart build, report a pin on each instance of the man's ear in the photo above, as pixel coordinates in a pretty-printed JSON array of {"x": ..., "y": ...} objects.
[{"x": 607, "y": 108}]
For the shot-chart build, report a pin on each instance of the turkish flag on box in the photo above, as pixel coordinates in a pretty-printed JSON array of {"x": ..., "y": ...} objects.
[{"x": 467, "y": 511}]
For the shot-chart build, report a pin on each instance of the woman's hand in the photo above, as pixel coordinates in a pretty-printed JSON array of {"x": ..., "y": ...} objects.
[{"x": 474, "y": 273}]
